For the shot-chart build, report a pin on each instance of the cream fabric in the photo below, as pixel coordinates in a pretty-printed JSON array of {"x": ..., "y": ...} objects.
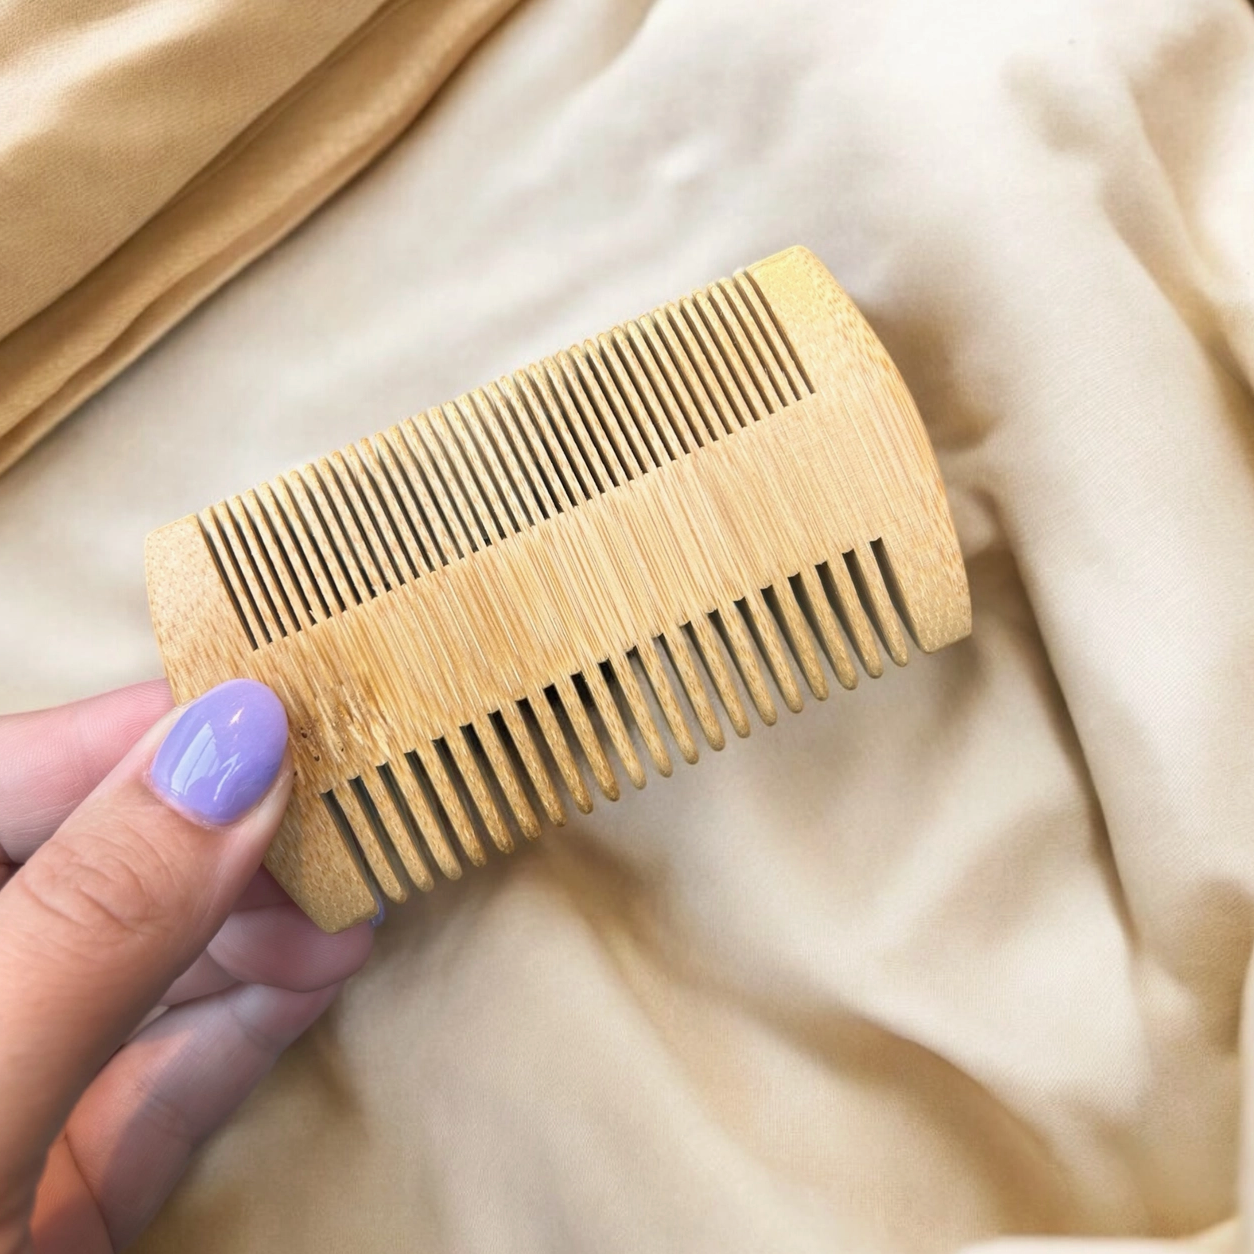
[
  {"x": 149, "y": 150},
  {"x": 956, "y": 956}
]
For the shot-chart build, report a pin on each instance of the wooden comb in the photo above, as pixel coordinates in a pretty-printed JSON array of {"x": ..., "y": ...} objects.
[{"x": 514, "y": 590}]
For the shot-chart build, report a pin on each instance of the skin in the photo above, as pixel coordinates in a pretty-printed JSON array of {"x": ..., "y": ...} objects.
[{"x": 112, "y": 904}]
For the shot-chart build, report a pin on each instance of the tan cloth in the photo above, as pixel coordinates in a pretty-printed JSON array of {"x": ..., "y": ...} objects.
[
  {"x": 150, "y": 150},
  {"x": 957, "y": 955}
]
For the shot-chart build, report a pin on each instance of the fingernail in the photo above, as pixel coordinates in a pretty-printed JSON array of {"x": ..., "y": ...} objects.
[
  {"x": 222, "y": 755},
  {"x": 379, "y": 917}
]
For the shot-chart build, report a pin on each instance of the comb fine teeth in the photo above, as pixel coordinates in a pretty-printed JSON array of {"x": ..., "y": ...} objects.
[{"x": 475, "y": 617}]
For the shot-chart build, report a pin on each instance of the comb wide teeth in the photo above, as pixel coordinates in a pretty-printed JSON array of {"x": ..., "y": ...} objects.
[
  {"x": 544, "y": 589},
  {"x": 485, "y": 785}
]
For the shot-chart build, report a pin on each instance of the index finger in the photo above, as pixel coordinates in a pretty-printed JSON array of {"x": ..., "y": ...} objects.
[{"x": 51, "y": 759}]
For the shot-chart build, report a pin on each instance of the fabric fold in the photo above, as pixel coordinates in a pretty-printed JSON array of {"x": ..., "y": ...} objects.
[{"x": 150, "y": 153}]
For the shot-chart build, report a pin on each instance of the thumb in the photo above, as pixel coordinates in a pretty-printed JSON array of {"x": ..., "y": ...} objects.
[{"x": 124, "y": 896}]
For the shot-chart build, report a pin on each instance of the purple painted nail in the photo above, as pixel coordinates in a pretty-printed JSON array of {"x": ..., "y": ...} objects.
[{"x": 222, "y": 755}]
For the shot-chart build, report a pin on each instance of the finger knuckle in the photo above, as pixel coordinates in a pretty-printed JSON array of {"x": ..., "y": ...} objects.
[{"x": 113, "y": 889}]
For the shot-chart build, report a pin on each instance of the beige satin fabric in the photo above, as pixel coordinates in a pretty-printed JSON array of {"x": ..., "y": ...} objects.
[
  {"x": 959, "y": 956},
  {"x": 149, "y": 151}
]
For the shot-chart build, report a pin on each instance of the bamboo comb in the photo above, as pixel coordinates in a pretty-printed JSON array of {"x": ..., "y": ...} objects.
[{"x": 520, "y": 588}]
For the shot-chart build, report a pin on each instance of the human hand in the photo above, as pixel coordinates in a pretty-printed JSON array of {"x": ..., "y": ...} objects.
[{"x": 129, "y": 880}]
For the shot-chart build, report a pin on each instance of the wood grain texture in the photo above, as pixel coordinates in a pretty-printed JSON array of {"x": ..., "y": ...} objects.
[{"x": 569, "y": 574}]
